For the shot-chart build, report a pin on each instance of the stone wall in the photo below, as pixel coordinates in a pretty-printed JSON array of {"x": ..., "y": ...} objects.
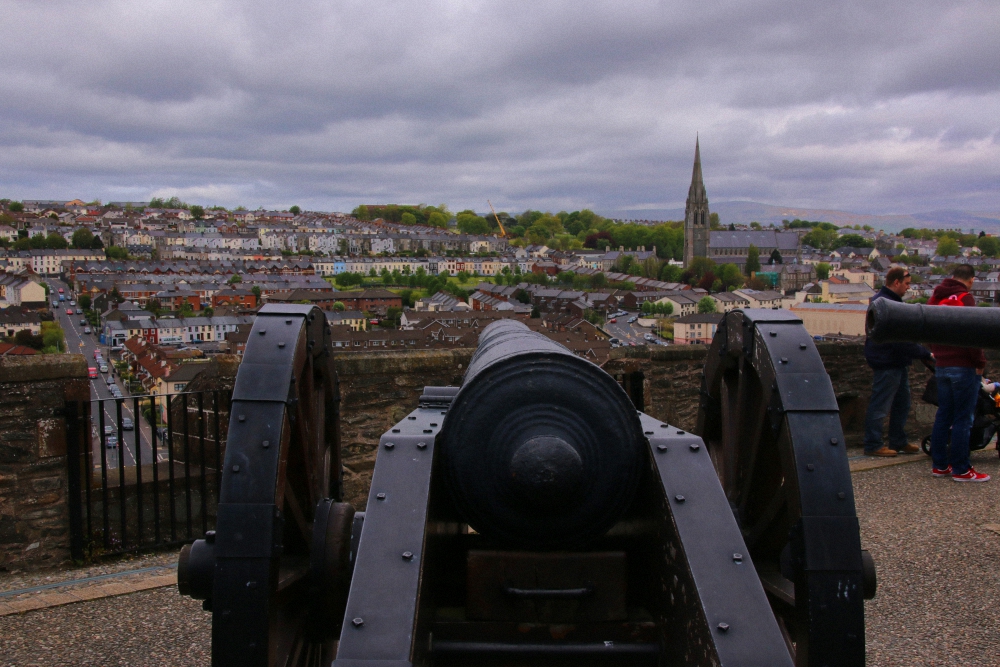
[
  {"x": 377, "y": 390},
  {"x": 671, "y": 381},
  {"x": 34, "y": 513}
]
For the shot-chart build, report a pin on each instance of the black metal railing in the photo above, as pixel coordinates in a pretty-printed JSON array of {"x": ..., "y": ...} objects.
[{"x": 144, "y": 471}]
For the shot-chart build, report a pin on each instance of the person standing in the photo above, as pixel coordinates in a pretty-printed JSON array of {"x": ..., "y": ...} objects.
[
  {"x": 890, "y": 364},
  {"x": 959, "y": 373}
]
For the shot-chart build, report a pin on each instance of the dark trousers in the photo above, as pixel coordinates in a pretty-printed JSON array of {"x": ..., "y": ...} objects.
[{"x": 890, "y": 396}]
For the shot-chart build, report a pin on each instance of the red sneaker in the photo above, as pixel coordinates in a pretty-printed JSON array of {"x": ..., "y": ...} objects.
[
  {"x": 938, "y": 472},
  {"x": 971, "y": 476}
]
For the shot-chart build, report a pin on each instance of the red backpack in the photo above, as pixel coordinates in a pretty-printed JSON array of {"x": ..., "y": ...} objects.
[{"x": 953, "y": 300}]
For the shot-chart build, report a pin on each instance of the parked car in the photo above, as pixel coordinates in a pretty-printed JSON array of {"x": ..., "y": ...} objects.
[
  {"x": 86, "y": 330},
  {"x": 103, "y": 368},
  {"x": 112, "y": 441},
  {"x": 111, "y": 381},
  {"x": 72, "y": 302},
  {"x": 55, "y": 304},
  {"x": 613, "y": 319},
  {"x": 127, "y": 424},
  {"x": 649, "y": 336},
  {"x": 633, "y": 319}
]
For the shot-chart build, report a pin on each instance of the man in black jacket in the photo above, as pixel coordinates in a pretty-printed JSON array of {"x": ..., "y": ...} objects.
[{"x": 890, "y": 364}]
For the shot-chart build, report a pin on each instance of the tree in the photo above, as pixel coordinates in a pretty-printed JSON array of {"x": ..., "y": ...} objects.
[
  {"x": 153, "y": 306},
  {"x": 713, "y": 221},
  {"x": 730, "y": 276},
  {"x": 947, "y": 247},
  {"x": 186, "y": 310},
  {"x": 698, "y": 267},
  {"x": 208, "y": 311},
  {"x": 197, "y": 212},
  {"x": 28, "y": 339},
  {"x": 670, "y": 273},
  {"x": 989, "y": 245},
  {"x": 16, "y": 207},
  {"x": 437, "y": 219},
  {"x": 775, "y": 257},
  {"x": 339, "y": 307},
  {"x": 56, "y": 241},
  {"x": 855, "y": 241},
  {"x": 235, "y": 278},
  {"x": 821, "y": 239},
  {"x": 706, "y": 305},
  {"x": 647, "y": 307},
  {"x": 53, "y": 337},
  {"x": 753, "y": 260},
  {"x": 116, "y": 252},
  {"x": 822, "y": 271},
  {"x": 408, "y": 218},
  {"x": 256, "y": 292},
  {"x": 83, "y": 238},
  {"x": 295, "y": 210},
  {"x": 97, "y": 243},
  {"x": 470, "y": 223},
  {"x": 84, "y": 301}
]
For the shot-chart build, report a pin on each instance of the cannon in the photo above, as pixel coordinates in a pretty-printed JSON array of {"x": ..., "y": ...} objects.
[
  {"x": 890, "y": 321},
  {"x": 533, "y": 516}
]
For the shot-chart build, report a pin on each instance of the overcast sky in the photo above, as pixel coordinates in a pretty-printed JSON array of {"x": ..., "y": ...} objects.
[{"x": 874, "y": 107}]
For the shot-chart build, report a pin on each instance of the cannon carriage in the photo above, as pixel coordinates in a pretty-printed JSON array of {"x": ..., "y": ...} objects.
[{"x": 534, "y": 516}]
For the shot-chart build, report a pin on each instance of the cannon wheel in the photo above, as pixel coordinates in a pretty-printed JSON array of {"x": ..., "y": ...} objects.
[
  {"x": 770, "y": 419},
  {"x": 281, "y": 560}
]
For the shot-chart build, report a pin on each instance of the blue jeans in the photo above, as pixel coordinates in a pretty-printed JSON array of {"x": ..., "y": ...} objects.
[
  {"x": 958, "y": 389},
  {"x": 890, "y": 396}
]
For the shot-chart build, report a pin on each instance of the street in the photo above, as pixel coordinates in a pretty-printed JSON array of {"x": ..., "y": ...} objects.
[
  {"x": 625, "y": 332},
  {"x": 79, "y": 342}
]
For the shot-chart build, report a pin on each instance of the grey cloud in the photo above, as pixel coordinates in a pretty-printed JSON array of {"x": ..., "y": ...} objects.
[{"x": 889, "y": 106}]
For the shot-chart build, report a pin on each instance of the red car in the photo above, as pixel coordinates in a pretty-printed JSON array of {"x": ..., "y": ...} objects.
[
  {"x": 613, "y": 319},
  {"x": 69, "y": 311}
]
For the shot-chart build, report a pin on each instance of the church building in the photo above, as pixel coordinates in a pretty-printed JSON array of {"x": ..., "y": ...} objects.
[{"x": 696, "y": 214}]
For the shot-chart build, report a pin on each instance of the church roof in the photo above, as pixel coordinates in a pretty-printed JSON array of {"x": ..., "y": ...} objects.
[{"x": 783, "y": 241}]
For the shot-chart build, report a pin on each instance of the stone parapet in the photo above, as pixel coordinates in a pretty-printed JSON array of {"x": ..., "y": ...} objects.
[{"x": 34, "y": 511}]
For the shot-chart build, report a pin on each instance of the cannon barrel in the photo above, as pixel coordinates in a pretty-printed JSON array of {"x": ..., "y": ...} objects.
[
  {"x": 540, "y": 448},
  {"x": 889, "y": 321}
]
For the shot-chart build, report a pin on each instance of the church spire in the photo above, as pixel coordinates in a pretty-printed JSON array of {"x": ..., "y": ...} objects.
[
  {"x": 697, "y": 183},
  {"x": 696, "y": 214}
]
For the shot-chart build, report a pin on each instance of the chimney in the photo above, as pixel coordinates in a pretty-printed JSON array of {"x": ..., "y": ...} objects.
[{"x": 621, "y": 248}]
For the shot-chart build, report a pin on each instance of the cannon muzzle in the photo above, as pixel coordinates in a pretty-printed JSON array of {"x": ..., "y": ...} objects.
[
  {"x": 540, "y": 447},
  {"x": 890, "y": 322}
]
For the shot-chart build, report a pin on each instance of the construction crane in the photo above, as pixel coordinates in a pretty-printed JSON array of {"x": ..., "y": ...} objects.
[{"x": 503, "y": 232}]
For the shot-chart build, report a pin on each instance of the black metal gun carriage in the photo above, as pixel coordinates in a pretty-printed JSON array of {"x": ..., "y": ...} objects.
[{"x": 533, "y": 516}]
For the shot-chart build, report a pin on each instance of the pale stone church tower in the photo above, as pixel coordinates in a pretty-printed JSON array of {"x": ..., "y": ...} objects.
[{"x": 696, "y": 238}]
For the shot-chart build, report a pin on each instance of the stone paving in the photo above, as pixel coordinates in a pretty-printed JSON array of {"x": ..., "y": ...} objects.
[{"x": 936, "y": 544}]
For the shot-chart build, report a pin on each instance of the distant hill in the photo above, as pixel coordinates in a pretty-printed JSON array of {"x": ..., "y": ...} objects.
[{"x": 743, "y": 212}]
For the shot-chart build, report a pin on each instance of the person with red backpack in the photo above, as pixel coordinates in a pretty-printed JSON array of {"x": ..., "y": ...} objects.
[{"x": 958, "y": 373}]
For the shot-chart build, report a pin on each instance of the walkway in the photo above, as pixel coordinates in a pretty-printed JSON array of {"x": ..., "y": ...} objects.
[{"x": 936, "y": 544}]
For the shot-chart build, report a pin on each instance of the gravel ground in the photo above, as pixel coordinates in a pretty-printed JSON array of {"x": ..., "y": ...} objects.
[
  {"x": 146, "y": 629},
  {"x": 937, "y": 602},
  {"x": 18, "y": 579}
]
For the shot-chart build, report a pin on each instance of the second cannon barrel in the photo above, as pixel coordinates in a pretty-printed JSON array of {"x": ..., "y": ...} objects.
[
  {"x": 890, "y": 321},
  {"x": 541, "y": 448}
]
